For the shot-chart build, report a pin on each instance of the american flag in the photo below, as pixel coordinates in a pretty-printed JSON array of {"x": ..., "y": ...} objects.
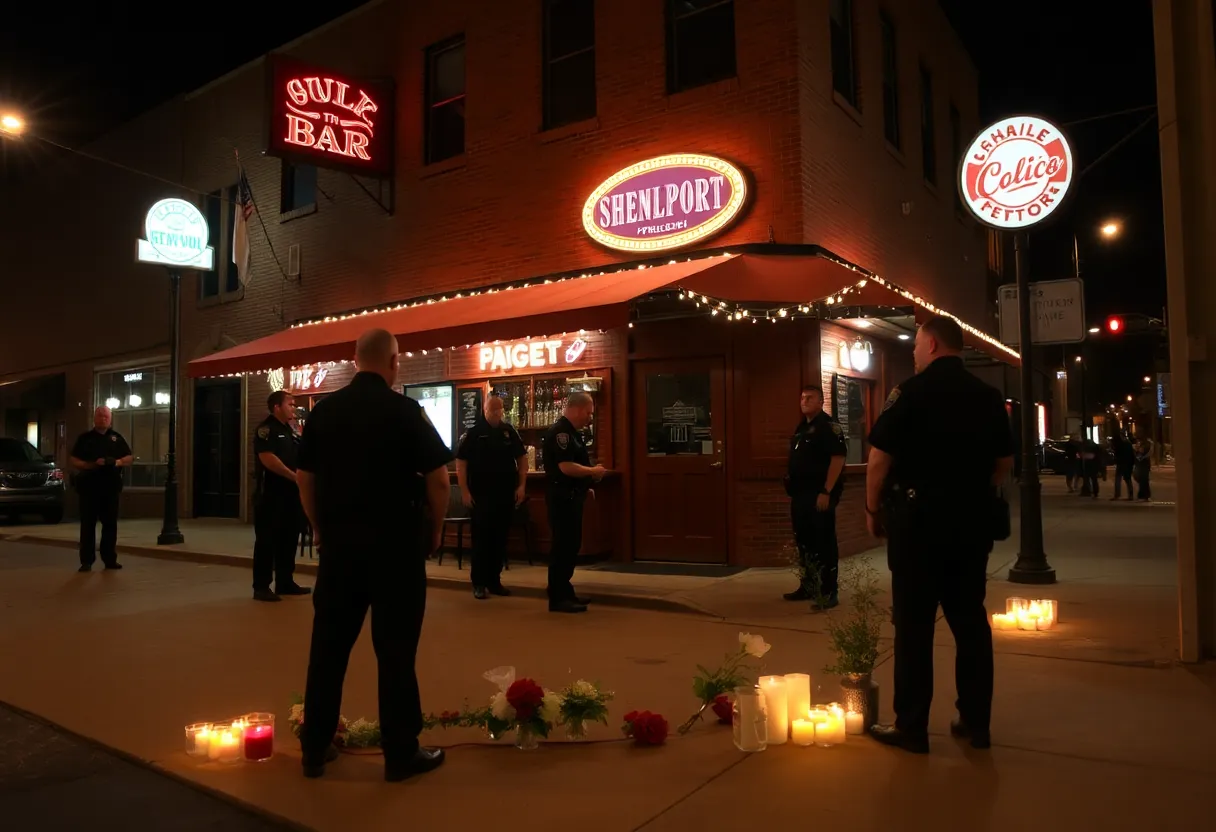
[{"x": 240, "y": 233}]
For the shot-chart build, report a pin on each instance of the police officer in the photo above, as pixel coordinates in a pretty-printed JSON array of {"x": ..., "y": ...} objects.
[
  {"x": 371, "y": 464},
  {"x": 98, "y": 457},
  {"x": 940, "y": 522},
  {"x": 568, "y": 474},
  {"x": 492, "y": 471},
  {"x": 814, "y": 484},
  {"x": 277, "y": 517}
]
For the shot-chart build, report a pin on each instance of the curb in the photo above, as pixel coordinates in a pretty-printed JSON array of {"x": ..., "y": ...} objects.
[{"x": 601, "y": 597}]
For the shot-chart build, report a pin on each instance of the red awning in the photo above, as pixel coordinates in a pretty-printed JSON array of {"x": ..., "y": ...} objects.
[{"x": 599, "y": 301}]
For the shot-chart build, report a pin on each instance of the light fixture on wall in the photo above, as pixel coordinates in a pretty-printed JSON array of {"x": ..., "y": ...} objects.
[
  {"x": 163, "y": 398},
  {"x": 113, "y": 403},
  {"x": 134, "y": 400},
  {"x": 903, "y": 336},
  {"x": 860, "y": 353},
  {"x": 864, "y": 323}
]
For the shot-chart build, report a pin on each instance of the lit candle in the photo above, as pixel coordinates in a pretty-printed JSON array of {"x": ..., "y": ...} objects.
[
  {"x": 259, "y": 743},
  {"x": 854, "y": 723},
  {"x": 804, "y": 732},
  {"x": 1004, "y": 621},
  {"x": 829, "y": 732},
  {"x": 228, "y": 748},
  {"x": 200, "y": 741},
  {"x": 776, "y": 707},
  {"x": 798, "y": 692},
  {"x": 817, "y": 715}
]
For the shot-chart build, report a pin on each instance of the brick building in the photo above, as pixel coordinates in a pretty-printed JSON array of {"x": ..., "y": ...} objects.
[{"x": 843, "y": 123}]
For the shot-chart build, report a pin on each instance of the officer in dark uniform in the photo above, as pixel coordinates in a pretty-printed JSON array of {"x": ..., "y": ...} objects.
[
  {"x": 492, "y": 471},
  {"x": 99, "y": 457},
  {"x": 814, "y": 484},
  {"x": 371, "y": 464},
  {"x": 277, "y": 516},
  {"x": 940, "y": 522},
  {"x": 568, "y": 474}
]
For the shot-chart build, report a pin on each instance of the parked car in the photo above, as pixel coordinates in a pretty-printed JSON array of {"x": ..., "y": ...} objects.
[
  {"x": 29, "y": 482},
  {"x": 1052, "y": 456}
]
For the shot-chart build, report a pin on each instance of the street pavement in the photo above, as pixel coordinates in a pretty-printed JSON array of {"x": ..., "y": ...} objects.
[{"x": 1095, "y": 724}]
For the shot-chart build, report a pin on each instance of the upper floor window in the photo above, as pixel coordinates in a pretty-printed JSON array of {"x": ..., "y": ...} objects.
[
  {"x": 956, "y": 152},
  {"x": 844, "y": 62},
  {"x": 569, "y": 61},
  {"x": 220, "y": 209},
  {"x": 445, "y": 100},
  {"x": 890, "y": 82},
  {"x": 297, "y": 187},
  {"x": 700, "y": 42},
  {"x": 928, "y": 147}
]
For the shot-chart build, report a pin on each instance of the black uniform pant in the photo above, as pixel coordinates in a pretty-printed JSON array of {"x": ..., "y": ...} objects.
[
  {"x": 566, "y": 526},
  {"x": 491, "y": 522},
  {"x": 815, "y": 536},
  {"x": 1123, "y": 474},
  {"x": 1143, "y": 492},
  {"x": 99, "y": 505},
  {"x": 277, "y": 521},
  {"x": 350, "y": 580},
  {"x": 926, "y": 571}
]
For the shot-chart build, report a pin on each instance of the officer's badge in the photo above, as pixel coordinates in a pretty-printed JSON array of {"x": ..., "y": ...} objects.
[
  {"x": 506, "y": 434},
  {"x": 836, "y": 429},
  {"x": 264, "y": 432},
  {"x": 563, "y": 440},
  {"x": 891, "y": 399},
  {"x": 113, "y": 437}
]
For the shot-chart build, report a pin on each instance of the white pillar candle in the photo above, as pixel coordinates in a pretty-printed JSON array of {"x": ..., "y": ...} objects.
[
  {"x": 751, "y": 713},
  {"x": 798, "y": 693},
  {"x": 776, "y": 707},
  {"x": 817, "y": 714},
  {"x": 854, "y": 723},
  {"x": 829, "y": 732},
  {"x": 213, "y": 744},
  {"x": 229, "y": 747},
  {"x": 202, "y": 742},
  {"x": 803, "y": 731}
]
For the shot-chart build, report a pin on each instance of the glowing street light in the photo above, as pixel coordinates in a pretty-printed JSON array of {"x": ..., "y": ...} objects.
[
  {"x": 1111, "y": 229},
  {"x": 1129, "y": 397},
  {"x": 11, "y": 125},
  {"x": 1078, "y": 359},
  {"x": 1147, "y": 379},
  {"x": 1094, "y": 330}
]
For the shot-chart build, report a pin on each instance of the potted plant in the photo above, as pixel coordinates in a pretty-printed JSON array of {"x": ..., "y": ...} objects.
[{"x": 853, "y": 637}]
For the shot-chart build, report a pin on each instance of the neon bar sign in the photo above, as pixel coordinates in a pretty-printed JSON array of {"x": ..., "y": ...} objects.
[
  {"x": 330, "y": 121},
  {"x": 529, "y": 355}
]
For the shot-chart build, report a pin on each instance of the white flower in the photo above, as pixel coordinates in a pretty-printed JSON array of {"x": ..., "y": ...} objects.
[
  {"x": 501, "y": 677},
  {"x": 583, "y": 688},
  {"x": 754, "y": 645},
  {"x": 501, "y": 708},
  {"x": 297, "y": 713},
  {"x": 551, "y": 707}
]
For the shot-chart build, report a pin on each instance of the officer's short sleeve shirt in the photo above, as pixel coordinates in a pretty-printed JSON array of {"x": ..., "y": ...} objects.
[
  {"x": 274, "y": 437},
  {"x": 491, "y": 454},
  {"x": 91, "y": 446},
  {"x": 812, "y": 446},
  {"x": 563, "y": 443}
]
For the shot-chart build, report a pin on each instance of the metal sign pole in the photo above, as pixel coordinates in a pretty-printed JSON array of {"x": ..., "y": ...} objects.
[{"x": 170, "y": 534}]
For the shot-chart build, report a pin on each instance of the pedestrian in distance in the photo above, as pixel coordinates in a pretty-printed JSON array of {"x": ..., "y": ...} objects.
[
  {"x": 278, "y": 517},
  {"x": 99, "y": 456}
]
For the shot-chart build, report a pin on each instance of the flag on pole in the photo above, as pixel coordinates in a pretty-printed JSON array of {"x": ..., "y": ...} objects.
[{"x": 244, "y": 208}]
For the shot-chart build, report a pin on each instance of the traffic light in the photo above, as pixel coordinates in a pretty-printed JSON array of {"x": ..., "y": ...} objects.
[{"x": 1114, "y": 324}]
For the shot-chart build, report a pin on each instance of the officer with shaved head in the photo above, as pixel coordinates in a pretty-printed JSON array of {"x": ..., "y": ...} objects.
[
  {"x": 369, "y": 467},
  {"x": 99, "y": 456}
]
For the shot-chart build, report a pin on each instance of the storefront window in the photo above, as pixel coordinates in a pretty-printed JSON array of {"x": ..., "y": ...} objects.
[
  {"x": 678, "y": 414},
  {"x": 439, "y": 403},
  {"x": 850, "y": 408},
  {"x": 138, "y": 398}
]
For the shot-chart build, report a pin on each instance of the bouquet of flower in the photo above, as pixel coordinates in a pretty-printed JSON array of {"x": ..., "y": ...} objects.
[
  {"x": 736, "y": 670},
  {"x": 645, "y": 728},
  {"x": 582, "y": 702},
  {"x": 520, "y": 705}
]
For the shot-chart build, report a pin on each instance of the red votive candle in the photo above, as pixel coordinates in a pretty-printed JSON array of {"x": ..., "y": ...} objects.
[{"x": 259, "y": 742}]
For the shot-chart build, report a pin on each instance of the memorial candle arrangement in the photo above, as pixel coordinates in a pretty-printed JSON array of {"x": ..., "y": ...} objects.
[
  {"x": 776, "y": 708},
  {"x": 249, "y": 737},
  {"x": 259, "y": 738},
  {"x": 1030, "y": 615},
  {"x": 786, "y": 702}
]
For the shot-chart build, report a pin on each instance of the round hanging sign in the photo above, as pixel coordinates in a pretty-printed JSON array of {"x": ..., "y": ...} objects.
[{"x": 1016, "y": 172}]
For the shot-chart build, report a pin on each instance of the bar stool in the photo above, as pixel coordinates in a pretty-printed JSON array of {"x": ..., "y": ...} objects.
[{"x": 459, "y": 516}]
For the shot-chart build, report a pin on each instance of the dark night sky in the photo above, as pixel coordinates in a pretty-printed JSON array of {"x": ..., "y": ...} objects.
[{"x": 1069, "y": 61}]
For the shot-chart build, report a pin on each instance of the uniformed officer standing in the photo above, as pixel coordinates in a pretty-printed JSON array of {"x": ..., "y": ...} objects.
[
  {"x": 568, "y": 474},
  {"x": 99, "y": 457},
  {"x": 371, "y": 464},
  {"x": 940, "y": 522},
  {"x": 814, "y": 484},
  {"x": 277, "y": 516},
  {"x": 492, "y": 471}
]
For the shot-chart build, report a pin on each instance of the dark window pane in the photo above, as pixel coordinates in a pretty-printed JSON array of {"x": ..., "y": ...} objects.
[
  {"x": 678, "y": 417},
  {"x": 571, "y": 90},
  {"x": 298, "y": 188},
  {"x": 890, "y": 83},
  {"x": 700, "y": 42},
  {"x": 445, "y": 101},
  {"x": 570, "y": 27},
  {"x": 843, "y": 80},
  {"x": 209, "y": 282},
  {"x": 928, "y": 147},
  {"x": 446, "y": 136},
  {"x": 447, "y": 74}
]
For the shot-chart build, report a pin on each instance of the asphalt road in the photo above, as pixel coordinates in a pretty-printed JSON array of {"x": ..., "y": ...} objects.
[{"x": 52, "y": 782}]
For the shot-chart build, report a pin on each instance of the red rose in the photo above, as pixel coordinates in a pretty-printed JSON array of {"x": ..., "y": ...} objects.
[
  {"x": 650, "y": 729},
  {"x": 722, "y": 708},
  {"x": 525, "y": 696},
  {"x": 631, "y": 716}
]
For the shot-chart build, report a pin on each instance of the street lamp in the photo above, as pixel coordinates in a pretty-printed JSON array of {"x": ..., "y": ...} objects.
[
  {"x": 1110, "y": 230},
  {"x": 1147, "y": 379},
  {"x": 1094, "y": 330},
  {"x": 12, "y": 125}
]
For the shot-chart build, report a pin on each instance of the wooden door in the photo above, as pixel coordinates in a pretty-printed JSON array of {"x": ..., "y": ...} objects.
[
  {"x": 679, "y": 461},
  {"x": 217, "y": 448}
]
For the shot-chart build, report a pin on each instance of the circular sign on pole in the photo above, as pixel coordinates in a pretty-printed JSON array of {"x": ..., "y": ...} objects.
[
  {"x": 176, "y": 235},
  {"x": 1016, "y": 172}
]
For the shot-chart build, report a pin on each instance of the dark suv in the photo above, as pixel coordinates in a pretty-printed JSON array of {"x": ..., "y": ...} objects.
[{"x": 29, "y": 483}]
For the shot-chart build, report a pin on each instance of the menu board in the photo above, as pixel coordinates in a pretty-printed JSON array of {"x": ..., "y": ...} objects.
[
  {"x": 470, "y": 408},
  {"x": 840, "y": 402}
]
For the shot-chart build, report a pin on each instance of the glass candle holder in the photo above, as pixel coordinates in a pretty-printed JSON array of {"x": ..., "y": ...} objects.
[
  {"x": 258, "y": 744},
  {"x": 749, "y": 723},
  {"x": 198, "y": 739},
  {"x": 1015, "y": 605},
  {"x": 224, "y": 745}
]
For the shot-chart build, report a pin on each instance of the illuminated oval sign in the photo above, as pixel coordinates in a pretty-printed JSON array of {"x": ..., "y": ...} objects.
[
  {"x": 665, "y": 203},
  {"x": 176, "y": 235},
  {"x": 1016, "y": 172}
]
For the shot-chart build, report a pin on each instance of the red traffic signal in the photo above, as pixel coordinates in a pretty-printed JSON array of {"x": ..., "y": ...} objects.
[{"x": 1114, "y": 324}]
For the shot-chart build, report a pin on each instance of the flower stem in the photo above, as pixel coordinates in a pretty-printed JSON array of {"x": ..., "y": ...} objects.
[{"x": 692, "y": 720}]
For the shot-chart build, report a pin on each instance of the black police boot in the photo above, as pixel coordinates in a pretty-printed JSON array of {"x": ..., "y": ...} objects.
[
  {"x": 85, "y": 567},
  {"x": 499, "y": 590},
  {"x": 480, "y": 593},
  {"x": 114, "y": 565},
  {"x": 892, "y": 736},
  {"x": 567, "y": 605},
  {"x": 265, "y": 595},
  {"x": 424, "y": 760},
  {"x": 826, "y": 604},
  {"x": 294, "y": 589},
  {"x": 979, "y": 739},
  {"x": 799, "y": 594},
  {"x": 314, "y": 767}
]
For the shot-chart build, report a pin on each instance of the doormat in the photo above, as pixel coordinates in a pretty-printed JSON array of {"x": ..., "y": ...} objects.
[{"x": 691, "y": 570}]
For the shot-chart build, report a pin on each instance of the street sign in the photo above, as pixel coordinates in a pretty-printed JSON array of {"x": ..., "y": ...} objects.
[
  {"x": 176, "y": 236},
  {"x": 1016, "y": 172},
  {"x": 1058, "y": 312}
]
